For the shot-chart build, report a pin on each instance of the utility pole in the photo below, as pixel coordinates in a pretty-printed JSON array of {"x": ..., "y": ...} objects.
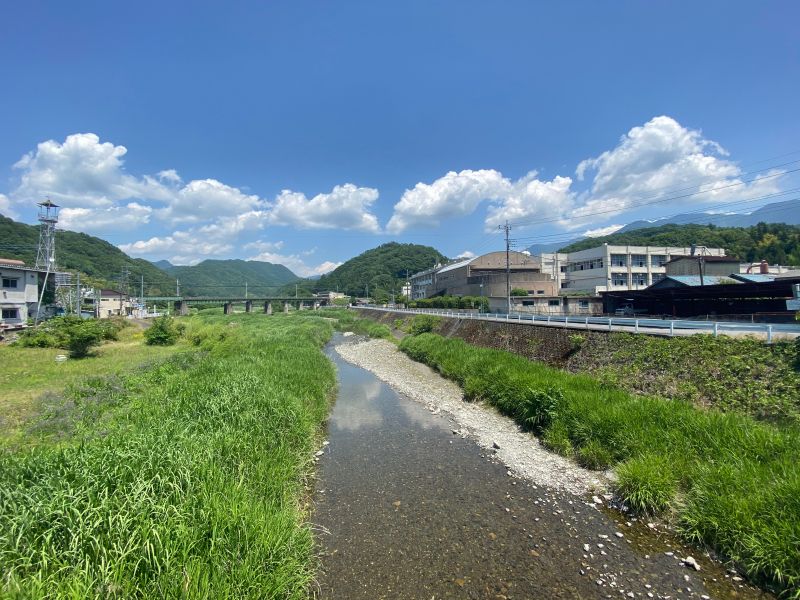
[
  {"x": 245, "y": 289},
  {"x": 295, "y": 291},
  {"x": 78, "y": 295},
  {"x": 507, "y": 228},
  {"x": 141, "y": 294},
  {"x": 178, "y": 287}
]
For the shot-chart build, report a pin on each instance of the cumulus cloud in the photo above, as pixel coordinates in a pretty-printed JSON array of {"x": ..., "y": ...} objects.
[
  {"x": 296, "y": 264},
  {"x": 663, "y": 159},
  {"x": 459, "y": 194},
  {"x": 181, "y": 247},
  {"x": 204, "y": 199},
  {"x": 466, "y": 254},
  {"x": 99, "y": 220},
  {"x": 5, "y": 207},
  {"x": 454, "y": 195},
  {"x": 345, "y": 207},
  {"x": 658, "y": 160}
]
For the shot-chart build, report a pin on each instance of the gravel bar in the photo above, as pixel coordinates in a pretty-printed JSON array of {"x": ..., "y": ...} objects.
[{"x": 520, "y": 451}]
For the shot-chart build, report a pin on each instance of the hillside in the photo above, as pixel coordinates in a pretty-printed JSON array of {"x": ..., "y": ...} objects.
[
  {"x": 224, "y": 277},
  {"x": 80, "y": 252},
  {"x": 383, "y": 269},
  {"x": 777, "y": 243}
]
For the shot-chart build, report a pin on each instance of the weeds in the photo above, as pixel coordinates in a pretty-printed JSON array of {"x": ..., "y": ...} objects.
[
  {"x": 737, "y": 478},
  {"x": 191, "y": 490}
]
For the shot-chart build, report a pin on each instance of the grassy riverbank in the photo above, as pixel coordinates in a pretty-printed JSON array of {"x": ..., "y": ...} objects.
[
  {"x": 183, "y": 479},
  {"x": 725, "y": 479}
]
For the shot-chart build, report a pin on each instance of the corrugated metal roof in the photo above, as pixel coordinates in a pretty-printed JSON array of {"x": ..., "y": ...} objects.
[
  {"x": 753, "y": 277},
  {"x": 456, "y": 265},
  {"x": 694, "y": 280}
]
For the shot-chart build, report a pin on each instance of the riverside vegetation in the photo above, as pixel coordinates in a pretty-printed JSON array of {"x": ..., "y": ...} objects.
[
  {"x": 724, "y": 479},
  {"x": 184, "y": 478}
]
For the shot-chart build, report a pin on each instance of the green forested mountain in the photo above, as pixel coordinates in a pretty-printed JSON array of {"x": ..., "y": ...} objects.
[
  {"x": 229, "y": 277},
  {"x": 383, "y": 269},
  {"x": 776, "y": 243},
  {"x": 101, "y": 261}
]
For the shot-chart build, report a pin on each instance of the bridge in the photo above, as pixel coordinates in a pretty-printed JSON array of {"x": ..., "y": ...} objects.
[{"x": 181, "y": 303}]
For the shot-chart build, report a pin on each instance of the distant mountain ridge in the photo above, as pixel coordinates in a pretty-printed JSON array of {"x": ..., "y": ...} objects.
[
  {"x": 229, "y": 277},
  {"x": 379, "y": 269},
  {"x": 90, "y": 255},
  {"x": 787, "y": 212}
]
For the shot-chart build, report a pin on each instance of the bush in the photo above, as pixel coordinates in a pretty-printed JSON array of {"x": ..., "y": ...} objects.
[
  {"x": 70, "y": 333},
  {"x": 517, "y": 292},
  {"x": 163, "y": 332},
  {"x": 423, "y": 324},
  {"x": 646, "y": 483}
]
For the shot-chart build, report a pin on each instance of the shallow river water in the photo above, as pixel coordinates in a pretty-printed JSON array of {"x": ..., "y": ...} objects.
[{"x": 406, "y": 509}]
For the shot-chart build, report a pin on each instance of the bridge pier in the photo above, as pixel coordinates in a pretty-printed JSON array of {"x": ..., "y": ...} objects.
[
  {"x": 248, "y": 306},
  {"x": 227, "y": 308},
  {"x": 268, "y": 308},
  {"x": 286, "y": 308},
  {"x": 181, "y": 308}
]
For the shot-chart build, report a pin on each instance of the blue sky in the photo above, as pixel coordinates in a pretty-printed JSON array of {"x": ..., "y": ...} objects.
[{"x": 307, "y": 132}]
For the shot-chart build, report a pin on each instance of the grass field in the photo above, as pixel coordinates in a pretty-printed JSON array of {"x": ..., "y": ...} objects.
[
  {"x": 726, "y": 480},
  {"x": 30, "y": 373},
  {"x": 185, "y": 479}
]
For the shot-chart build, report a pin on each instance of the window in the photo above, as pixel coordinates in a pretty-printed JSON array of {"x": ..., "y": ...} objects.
[
  {"x": 619, "y": 279},
  {"x": 638, "y": 260},
  {"x": 658, "y": 260},
  {"x": 10, "y": 283},
  {"x": 639, "y": 279},
  {"x": 619, "y": 260},
  {"x": 540, "y": 291},
  {"x": 583, "y": 303},
  {"x": 658, "y": 277},
  {"x": 555, "y": 302},
  {"x": 10, "y": 313}
]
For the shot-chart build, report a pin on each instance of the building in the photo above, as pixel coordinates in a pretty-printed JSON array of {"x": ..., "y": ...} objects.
[
  {"x": 110, "y": 303},
  {"x": 483, "y": 276},
  {"x": 19, "y": 293},
  {"x": 702, "y": 266},
  {"x": 551, "y": 305},
  {"x": 608, "y": 268}
]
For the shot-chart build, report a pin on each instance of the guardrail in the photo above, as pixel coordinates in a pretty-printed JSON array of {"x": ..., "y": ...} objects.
[{"x": 663, "y": 327}]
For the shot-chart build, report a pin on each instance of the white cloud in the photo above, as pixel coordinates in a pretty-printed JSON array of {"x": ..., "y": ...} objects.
[
  {"x": 82, "y": 172},
  {"x": 5, "y": 207},
  {"x": 205, "y": 199},
  {"x": 345, "y": 207},
  {"x": 466, "y": 254},
  {"x": 531, "y": 198},
  {"x": 98, "y": 220},
  {"x": 663, "y": 159},
  {"x": 264, "y": 246},
  {"x": 296, "y": 264},
  {"x": 181, "y": 247},
  {"x": 453, "y": 195},
  {"x": 601, "y": 231}
]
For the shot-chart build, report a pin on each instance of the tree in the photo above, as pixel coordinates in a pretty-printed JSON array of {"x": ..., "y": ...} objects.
[
  {"x": 162, "y": 332},
  {"x": 519, "y": 292}
]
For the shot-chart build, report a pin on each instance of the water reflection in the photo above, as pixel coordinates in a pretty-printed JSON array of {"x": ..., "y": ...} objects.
[{"x": 359, "y": 409}]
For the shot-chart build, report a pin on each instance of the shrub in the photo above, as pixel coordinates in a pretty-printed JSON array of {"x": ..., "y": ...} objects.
[
  {"x": 71, "y": 333},
  {"x": 519, "y": 292},
  {"x": 576, "y": 341},
  {"x": 162, "y": 332},
  {"x": 81, "y": 336},
  {"x": 646, "y": 483},
  {"x": 423, "y": 324}
]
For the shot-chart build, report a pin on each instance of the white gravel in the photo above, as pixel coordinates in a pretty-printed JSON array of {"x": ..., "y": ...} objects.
[{"x": 521, "y": 452}]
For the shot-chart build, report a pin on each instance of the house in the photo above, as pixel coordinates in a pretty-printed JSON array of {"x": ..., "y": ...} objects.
[
  {"x": 19, "y": 293},
  {"x": 110, "y": 303}
]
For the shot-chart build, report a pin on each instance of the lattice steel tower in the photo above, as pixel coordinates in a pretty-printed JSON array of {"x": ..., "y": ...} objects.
[{"x": 46, "y": 254}]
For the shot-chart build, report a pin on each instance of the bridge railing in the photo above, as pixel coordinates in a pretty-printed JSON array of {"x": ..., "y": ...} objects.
[{"x": 663, "y": 327}]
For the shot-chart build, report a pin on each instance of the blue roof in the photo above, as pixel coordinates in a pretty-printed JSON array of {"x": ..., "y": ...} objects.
[
  {"x": 753, "y": 277},
  {"x": 694, "y": 280}
]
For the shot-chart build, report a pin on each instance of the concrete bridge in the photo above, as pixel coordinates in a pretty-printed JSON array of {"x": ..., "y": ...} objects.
[{"x": 181, "y": 303}]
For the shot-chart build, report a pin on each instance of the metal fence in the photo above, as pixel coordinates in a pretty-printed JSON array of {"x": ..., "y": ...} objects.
[{"x": 665, "y": 327}]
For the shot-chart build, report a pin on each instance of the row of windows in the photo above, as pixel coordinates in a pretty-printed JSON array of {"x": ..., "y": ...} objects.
[
  {"x": 10, "y": 313},
  {"x": 10, "y": 283},
  {"x": 637, "y": 279},
  {"x": 638, "y": 260}
]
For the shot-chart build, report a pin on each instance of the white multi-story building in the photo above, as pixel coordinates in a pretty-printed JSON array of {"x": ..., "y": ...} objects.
[
  {"x": 19, "y": 292},
  {"x": 609, "y": 268}
]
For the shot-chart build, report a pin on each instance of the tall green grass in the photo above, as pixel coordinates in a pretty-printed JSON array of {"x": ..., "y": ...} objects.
[
  {"x": 195, "y": 487},
  {"x": 347, "y": 320},
  {"x": 729, "y": 481}
]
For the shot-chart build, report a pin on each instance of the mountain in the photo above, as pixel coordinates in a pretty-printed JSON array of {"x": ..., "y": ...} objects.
[
  {"x": 776, "y": 243},
  {"x": 229, "y": 277},
  {"x": 100, "y": 261},
  {"x": 383, "y": 268},
  {"x": 778, "y": 212},
  {"x": 164, "y": 265}
]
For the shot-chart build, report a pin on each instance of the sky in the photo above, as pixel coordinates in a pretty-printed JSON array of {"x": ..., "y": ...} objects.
[{"x": 304, "y": 133}]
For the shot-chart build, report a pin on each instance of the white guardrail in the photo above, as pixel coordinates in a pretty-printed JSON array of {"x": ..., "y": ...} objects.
[{"x": 652, "y": 326}]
